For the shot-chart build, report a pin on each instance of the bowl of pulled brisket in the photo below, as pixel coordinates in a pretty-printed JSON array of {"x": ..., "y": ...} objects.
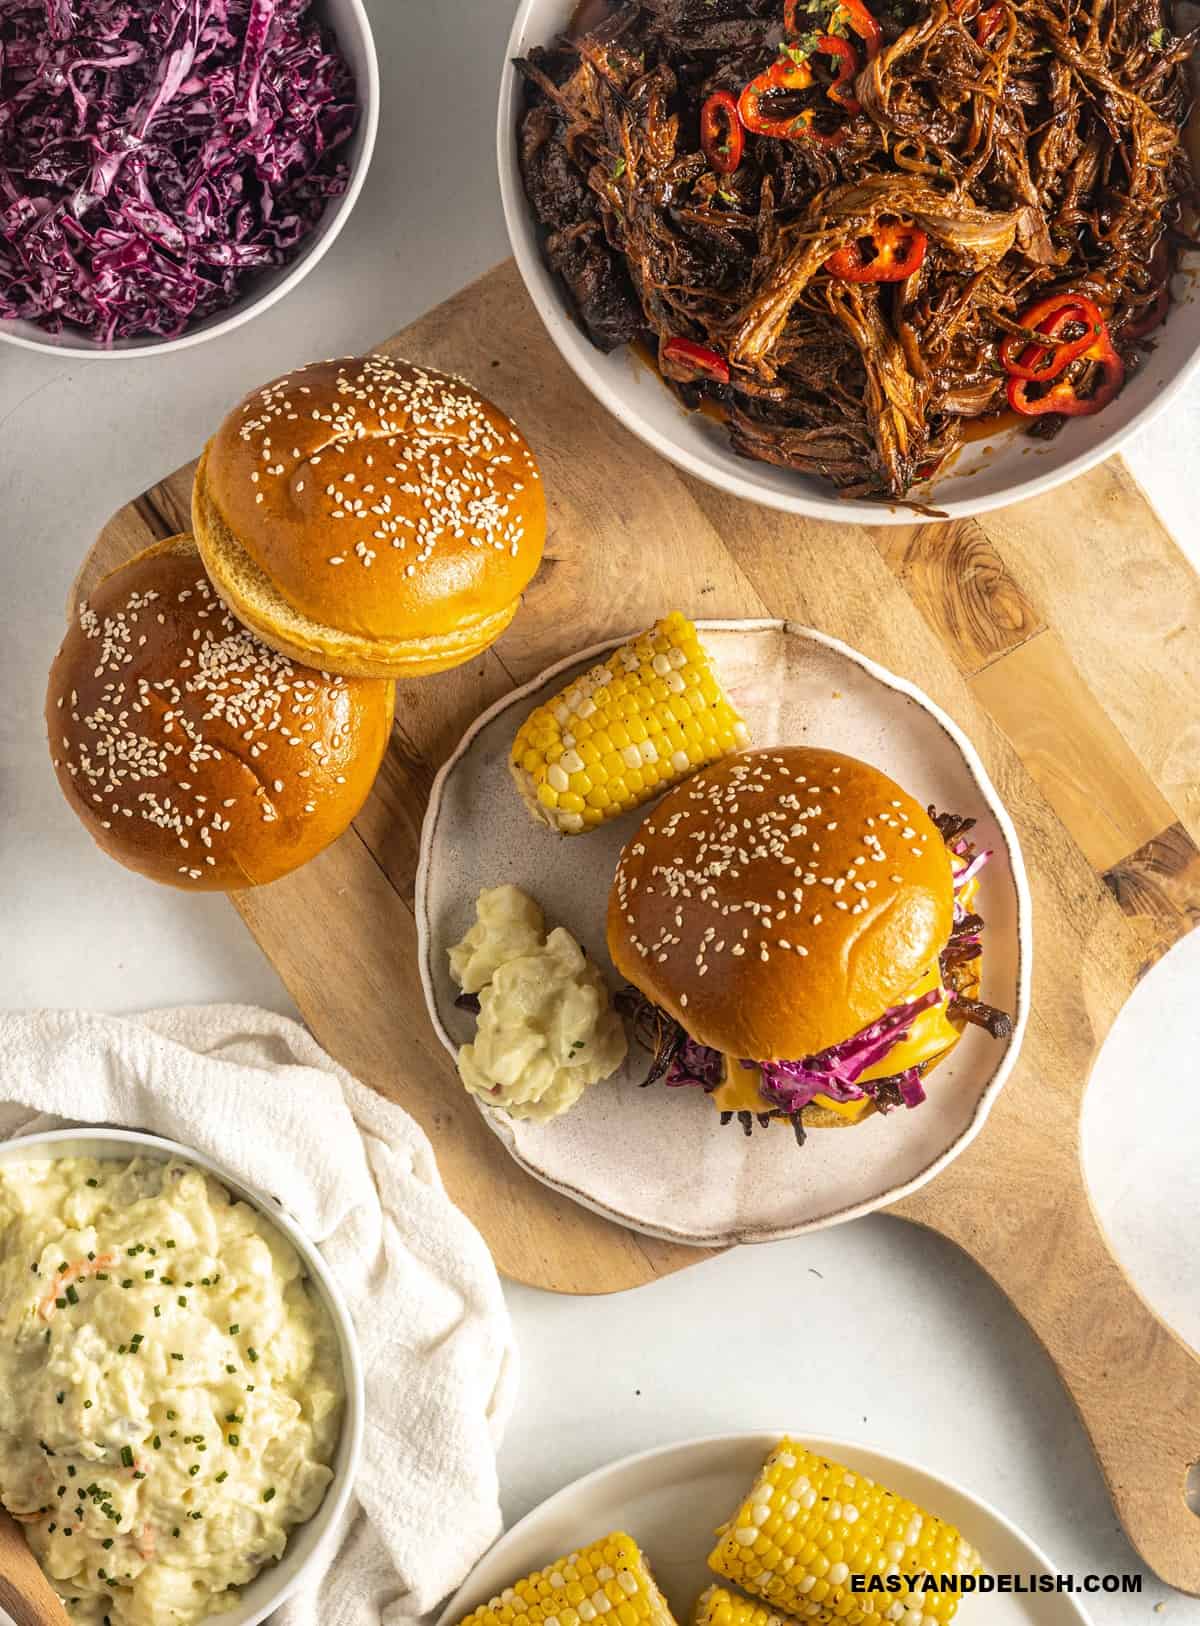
[{"x": 860, "y": 260}]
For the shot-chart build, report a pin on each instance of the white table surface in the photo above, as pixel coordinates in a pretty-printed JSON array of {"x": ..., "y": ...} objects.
[{"x": 875, "y": 1330}]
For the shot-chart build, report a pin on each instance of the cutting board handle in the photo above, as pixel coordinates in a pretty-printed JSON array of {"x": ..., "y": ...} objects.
[{"x": 1135, "y": 1384}]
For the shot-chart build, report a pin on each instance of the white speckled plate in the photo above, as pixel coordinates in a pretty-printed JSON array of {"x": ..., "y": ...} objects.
[
  {"x": 671, "y": 1500},
  {"x": 659, "y": 1160}
]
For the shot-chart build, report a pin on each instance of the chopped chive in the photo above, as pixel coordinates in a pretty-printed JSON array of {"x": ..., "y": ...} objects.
[
  {"x": 94, "y": 1182},
  {"x": 127, "y": 1455},
  {"x": 251, "y": 1353},
  {"x": 72, "y": 1296},
  {"x": 269, "y": 1494},
  {"x": 222, "y": 1477},
  {"x": 60, "y": 1304},
  {"x": 235, "y": 1329}
]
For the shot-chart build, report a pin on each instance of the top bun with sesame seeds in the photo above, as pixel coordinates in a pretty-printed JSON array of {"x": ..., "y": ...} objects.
[
  {"x": 370, "y": 517},
  {"x": 781, "y": 901},
  {"x": 193, "y": 753}
]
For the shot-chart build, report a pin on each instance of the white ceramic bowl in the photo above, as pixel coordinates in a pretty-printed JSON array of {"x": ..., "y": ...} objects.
[
  {"x": 307, "y": 1542},
  {"x": 348, "y": 20},
  {"x": 988, "y": 474}
]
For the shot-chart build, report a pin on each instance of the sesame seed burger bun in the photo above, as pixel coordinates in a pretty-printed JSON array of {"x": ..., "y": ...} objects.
[
  {"x": 190, "y": 751},
  {"x": 370, "y": 517},
  {"x": 726, "y": 908}
]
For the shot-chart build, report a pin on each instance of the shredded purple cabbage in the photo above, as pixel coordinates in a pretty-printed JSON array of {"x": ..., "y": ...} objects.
[
  {"x": 154, "y": 154},
  {"x": 835, "y": 1073},
  {"x": 695, "y": 1063}
]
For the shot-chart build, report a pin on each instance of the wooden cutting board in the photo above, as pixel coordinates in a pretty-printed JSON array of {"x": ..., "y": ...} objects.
[{"x": 1062, "y": 634}]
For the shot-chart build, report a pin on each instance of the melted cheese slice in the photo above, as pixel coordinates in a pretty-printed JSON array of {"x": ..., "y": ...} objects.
[{"x": 930, "y": 1035}]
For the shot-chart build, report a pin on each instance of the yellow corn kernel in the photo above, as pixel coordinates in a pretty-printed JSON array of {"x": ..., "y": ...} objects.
[
  {"x": 809, "y": 1524},
  {"x": 609, "y": 1577},
  {"x": 634, "y": 726}
]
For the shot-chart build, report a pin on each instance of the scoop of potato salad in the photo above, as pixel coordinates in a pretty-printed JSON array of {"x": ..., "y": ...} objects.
[{"x": 546, "y": 1027}]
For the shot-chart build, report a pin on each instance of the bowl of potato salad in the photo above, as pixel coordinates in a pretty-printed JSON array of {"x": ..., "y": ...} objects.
[{"x": 180, "y": 1388}]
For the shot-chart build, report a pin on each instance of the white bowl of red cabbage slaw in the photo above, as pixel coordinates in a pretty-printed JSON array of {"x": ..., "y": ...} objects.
[{"x": 299, "y": 247}]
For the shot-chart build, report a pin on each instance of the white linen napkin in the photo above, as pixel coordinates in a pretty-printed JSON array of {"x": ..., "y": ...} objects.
[{"x": 257, "y": 1094}]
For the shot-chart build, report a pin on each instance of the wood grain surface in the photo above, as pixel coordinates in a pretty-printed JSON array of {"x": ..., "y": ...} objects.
[
  {"x": 1062, "y": 634},
  {"x": 26, "y": 1596}
]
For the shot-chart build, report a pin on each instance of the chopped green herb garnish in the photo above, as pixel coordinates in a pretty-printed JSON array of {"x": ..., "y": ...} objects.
[
  {"x": 235, "y": 1329},
  {"x": 127, "y": 1455},
  {"x": 269, "y": 1494}
]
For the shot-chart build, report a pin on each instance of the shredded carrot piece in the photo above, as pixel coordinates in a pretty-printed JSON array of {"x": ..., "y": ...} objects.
[{"x": 78, "y": 1272}]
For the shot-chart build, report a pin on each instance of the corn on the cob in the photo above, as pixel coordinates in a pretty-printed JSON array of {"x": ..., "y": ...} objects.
[
  {"x": 716, "y": 1607},
  {"x": 809, "y": 1524},
  {"x": 626, "y": 731},
  {"x": 609, "y": 1578}
]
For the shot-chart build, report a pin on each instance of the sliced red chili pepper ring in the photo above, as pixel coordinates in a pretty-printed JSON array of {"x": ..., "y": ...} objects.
[
  {"x": 898, "y": 250},
  {"x": 687, "y": 361},
  {"x": 721, "y": 133},
  {"x": 1062, "y": 396},
  {"x": 791, "y": 73},
  {"x": 846, "y": 58},
  {"x": 853, "y": 14},
  {"x": 1050, "y": 316}
]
